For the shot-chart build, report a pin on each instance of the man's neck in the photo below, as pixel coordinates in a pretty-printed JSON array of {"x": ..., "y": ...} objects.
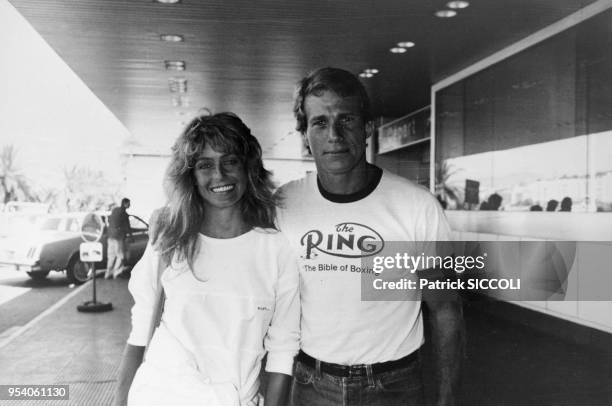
[{"x": 347, "y": 183}]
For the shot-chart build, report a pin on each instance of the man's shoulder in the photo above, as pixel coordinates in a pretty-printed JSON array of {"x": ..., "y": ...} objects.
[
  {"x": 295, "y": 189},
  {"x": 392, "y": 184}
]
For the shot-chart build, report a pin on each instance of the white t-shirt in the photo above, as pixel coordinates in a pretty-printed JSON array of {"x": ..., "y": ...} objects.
[
  {"x": 336, "y": 325},
  {"x": 242, "y": 300}
]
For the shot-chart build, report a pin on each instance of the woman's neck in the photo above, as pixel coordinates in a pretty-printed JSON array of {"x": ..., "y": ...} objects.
[{"x": 223, "y": 224}]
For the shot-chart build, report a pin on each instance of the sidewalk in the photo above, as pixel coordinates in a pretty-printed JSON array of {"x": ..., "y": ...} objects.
[
  {"x": 508, "y": 361},
  {"x": 82, "y": 350}
]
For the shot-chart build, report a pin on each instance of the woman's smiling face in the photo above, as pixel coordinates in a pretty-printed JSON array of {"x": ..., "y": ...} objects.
[{"x": 220, "y": 177}]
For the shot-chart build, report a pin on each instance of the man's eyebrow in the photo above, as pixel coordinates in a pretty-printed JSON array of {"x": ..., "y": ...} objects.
[{"x": 320, "y": 116}]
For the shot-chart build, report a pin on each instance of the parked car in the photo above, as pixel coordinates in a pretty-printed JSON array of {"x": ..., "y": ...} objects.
[
  {"x": 18, "y": 215},
  {"x": 53, "y": 245}
]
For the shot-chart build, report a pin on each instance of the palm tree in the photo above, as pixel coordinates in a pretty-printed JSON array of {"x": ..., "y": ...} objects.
[
  {"x": 86, "y": 188},
  {"x": 444, "y": 190},
  {"x": 13, "y": 184}
]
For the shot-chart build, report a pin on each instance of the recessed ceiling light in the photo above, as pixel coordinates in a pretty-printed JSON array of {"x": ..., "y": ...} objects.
[
  {"x": 373, "y": 71},
  {"x": 168, "y": 1},
  {"x": 405, "y": 44},
  {"x": 177, "y": 85},
  {"x": 446, "y": 13},
  {"x": 457, "y": 4},
  {"x": 180, "y": 101},
  {"x": 172, "y": 38},
  {"x": 398, "y": 50},
  {"x": 365, "y": 75},
  {"x": 175, "y": 65}
]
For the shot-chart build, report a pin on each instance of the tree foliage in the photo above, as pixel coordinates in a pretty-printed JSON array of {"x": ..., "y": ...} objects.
[
  {"x": 88, "y": 189},
  {"x": 447, "y": 192},
  {"x": 84, "y": 188},
  {"x": 13, "y": 184}
]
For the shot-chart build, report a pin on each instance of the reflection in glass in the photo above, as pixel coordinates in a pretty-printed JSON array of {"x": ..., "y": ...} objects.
[
  {"x": 600, "y": 171},
  {"x": 575, "y": 172}
]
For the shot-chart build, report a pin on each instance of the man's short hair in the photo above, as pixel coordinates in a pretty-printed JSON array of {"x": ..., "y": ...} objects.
[
  {"x": 338, "y": 81},
  {"x": 125, "y": 201}
]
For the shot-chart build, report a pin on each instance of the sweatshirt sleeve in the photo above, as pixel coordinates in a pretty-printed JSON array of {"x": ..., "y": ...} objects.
[
  {"x": 283, "y": 338},
  {"x": 144, "y": 287}
]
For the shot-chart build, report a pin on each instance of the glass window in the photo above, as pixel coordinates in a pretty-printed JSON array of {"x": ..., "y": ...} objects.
[
  {"x": 73, "y": 225},
  {"x": 534, "y": 131},
  {"x": 137, "y": 224},
  {"x": 52, "y": 223}
]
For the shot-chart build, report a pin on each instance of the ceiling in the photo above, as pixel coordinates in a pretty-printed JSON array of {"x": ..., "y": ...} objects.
[{"x": 246, "y": 55}]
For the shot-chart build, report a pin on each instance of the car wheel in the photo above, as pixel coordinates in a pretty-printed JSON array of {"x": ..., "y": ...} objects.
[
  {"x": 77, "y": 271},
  {"x": 38, "y": 275}
]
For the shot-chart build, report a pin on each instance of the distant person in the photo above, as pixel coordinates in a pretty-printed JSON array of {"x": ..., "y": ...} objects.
[
  {"x": 552, "y": 205},
  {"x": 566, "y": 204},
  {"x": 494, "y": 202},
  {"x": 118, "y": 230},
  {"x": 535, "y": 207}
]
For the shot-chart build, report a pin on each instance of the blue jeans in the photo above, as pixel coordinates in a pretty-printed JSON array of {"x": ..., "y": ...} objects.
[{"x": 402, "y": 386}]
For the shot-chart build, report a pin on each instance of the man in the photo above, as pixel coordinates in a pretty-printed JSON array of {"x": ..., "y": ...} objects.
[
  {"x": 355, "y": 351},
  {"x": 118, "y": 230}
]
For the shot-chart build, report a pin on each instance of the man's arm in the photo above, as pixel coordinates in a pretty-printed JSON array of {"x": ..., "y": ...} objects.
[
  {"x": 448, "y": 340},
  {"x": 277, "y": 390},
  {"x": 125, "y": 225}
]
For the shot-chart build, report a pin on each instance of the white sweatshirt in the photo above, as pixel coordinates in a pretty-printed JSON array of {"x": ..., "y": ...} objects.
[{"x": 241, "y": 301}]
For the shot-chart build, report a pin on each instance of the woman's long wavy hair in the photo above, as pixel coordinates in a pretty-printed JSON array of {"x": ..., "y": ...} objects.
[{"x": 175, "y": 227}]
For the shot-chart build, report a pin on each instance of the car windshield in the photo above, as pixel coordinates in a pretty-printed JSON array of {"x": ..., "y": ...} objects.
[{"x": 50, "y": 224}]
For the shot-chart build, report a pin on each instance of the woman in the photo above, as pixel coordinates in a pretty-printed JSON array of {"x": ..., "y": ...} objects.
[{"x": 231, "y": 284}]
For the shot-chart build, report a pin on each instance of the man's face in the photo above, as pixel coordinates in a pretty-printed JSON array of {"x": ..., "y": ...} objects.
[{"x": 335, "y": 132}]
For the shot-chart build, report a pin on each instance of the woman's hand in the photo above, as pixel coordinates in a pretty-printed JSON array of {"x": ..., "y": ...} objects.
[
  {"x": 131, "y": 360},
  {"x": 277, "y": 390}
]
